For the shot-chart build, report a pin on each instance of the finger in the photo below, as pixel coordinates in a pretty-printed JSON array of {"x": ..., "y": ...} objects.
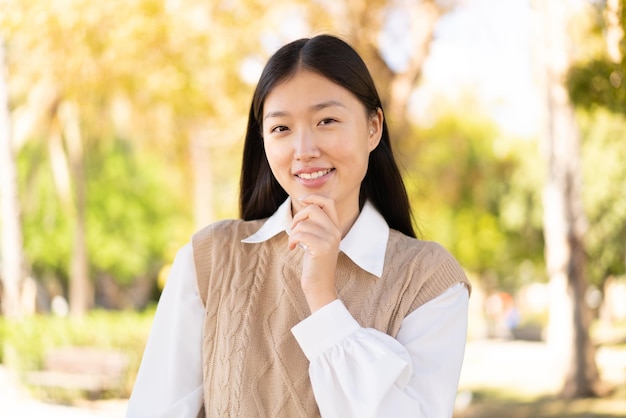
[
  {"x": 313, "y": 220},
  {"x": 313, "y": 244},
  {"x": 316, "y": 231},
  {"x": 325, "y": 203},
  {"x": 307, "y": 232}
]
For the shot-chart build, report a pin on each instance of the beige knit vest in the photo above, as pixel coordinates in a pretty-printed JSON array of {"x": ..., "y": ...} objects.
[{"x": 253, "y": 366}]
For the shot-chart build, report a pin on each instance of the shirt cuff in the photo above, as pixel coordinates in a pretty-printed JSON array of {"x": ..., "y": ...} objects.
[{"x": 324, "y": 328}]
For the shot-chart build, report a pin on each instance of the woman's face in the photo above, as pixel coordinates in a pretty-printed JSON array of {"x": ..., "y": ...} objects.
[{"x": 317, "y": 138}]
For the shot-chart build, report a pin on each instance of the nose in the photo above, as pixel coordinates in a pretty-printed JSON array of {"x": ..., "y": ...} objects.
[{"x": 305, "y": 146}]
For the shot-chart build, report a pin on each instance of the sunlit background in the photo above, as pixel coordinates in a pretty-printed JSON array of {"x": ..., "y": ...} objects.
[{"x": 122, "y": 125}]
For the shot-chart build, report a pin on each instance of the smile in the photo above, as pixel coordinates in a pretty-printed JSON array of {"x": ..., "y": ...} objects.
[{"x": 314, "y": 175}]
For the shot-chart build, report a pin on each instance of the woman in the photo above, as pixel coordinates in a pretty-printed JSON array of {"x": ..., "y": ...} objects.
[{"x": 320, "y": 300}]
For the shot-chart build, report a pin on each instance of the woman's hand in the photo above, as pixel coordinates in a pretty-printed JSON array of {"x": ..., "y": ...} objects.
[{"x": 315, "y": 229}]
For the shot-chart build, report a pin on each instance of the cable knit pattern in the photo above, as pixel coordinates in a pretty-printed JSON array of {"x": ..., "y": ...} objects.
[{"x": 253, "y": 366}]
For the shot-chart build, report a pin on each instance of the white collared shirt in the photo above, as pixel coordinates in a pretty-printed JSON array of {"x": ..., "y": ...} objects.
[
  {"x": 370, "y": 228},
  {"x": 354, "y": 371}
]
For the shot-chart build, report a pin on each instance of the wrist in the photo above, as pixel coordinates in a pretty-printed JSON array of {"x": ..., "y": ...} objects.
[{"x": 319, "y": 297}]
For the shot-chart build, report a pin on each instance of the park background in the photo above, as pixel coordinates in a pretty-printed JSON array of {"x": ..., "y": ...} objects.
[{"x": 121, "y": 126}]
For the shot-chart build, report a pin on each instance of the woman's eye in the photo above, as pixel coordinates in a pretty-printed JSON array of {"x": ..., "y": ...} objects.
[
  {"x": 327, "y": 121},
  {"x": 279, "y": 128}
]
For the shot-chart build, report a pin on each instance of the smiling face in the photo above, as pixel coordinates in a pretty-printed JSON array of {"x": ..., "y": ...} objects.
[{"x": 317, "y": 138}]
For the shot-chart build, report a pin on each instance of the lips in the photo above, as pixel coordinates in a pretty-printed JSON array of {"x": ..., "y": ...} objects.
[{"x": 313, "y": 174}]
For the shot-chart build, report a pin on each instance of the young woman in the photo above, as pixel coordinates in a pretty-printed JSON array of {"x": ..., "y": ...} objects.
[{"x": 320, "y": 301}]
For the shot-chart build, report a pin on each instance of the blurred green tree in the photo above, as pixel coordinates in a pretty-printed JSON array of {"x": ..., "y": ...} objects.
[
  {"x": 131, "y": 221},
  {"x": 604, "y": 171},
  {"x": 157, "y": 73},
  {"x": 598, "y": 79},
  {"x": 565, "y": 221},
  {"x": 598, "y": 88},
  {"x": 483, "y": 205}
]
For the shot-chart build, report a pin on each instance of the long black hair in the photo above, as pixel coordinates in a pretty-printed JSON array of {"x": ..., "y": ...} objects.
[{"x": 332, "y": 58}]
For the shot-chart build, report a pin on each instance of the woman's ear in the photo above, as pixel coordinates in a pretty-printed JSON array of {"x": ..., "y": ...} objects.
[{"x": 375, "y": 126}]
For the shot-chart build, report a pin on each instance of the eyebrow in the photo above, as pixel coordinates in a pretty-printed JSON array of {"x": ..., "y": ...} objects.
[{"x": 316, "y": 107}]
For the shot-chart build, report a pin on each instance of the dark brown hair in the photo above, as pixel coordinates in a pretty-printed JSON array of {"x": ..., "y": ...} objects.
[{"x": 331, "y": 57}]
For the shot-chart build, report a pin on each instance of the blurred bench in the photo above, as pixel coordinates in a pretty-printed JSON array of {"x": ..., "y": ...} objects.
[{"x": 93, "y": 370}]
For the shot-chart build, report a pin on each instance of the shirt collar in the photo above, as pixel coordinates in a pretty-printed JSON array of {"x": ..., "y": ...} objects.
[{"x": 365, "y": 243}]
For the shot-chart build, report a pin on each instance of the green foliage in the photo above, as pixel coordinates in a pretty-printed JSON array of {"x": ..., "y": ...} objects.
[
  {"x": 599, "y": 83},
  {"x": 135, "y": 214},
  {"x": 25, "y": 342},
  {"x": 46, "y": 226},
  {"x": 604, "y": 171},
  {"x": 152, "y": 73},
  {"x": 597, "y": 86},
  {"x": 596, "y": 81},
  {"x": 478, "y": 195}
]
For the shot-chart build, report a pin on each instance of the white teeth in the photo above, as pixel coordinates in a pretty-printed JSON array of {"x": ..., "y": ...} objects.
[{"x": 314, "y": 175}]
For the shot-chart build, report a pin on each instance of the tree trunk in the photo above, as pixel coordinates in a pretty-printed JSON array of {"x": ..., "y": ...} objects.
[
  {"x": 12, "y": 251},
  {"x": 81, "y": 292},
  {"x": 564, "y": 218}
]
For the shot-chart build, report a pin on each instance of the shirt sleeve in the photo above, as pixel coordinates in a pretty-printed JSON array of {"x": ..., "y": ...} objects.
[
  {"x": 169, "y": 381},
  {"x": 362, "y": 372}
]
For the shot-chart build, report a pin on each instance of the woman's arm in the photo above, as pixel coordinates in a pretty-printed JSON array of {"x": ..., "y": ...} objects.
[
  {"x": 362, "y": 372},
  {"x": 169, "y": 382}
]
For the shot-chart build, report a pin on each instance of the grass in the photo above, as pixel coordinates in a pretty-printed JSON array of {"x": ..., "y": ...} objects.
[{"x": 490, "y": 405}]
